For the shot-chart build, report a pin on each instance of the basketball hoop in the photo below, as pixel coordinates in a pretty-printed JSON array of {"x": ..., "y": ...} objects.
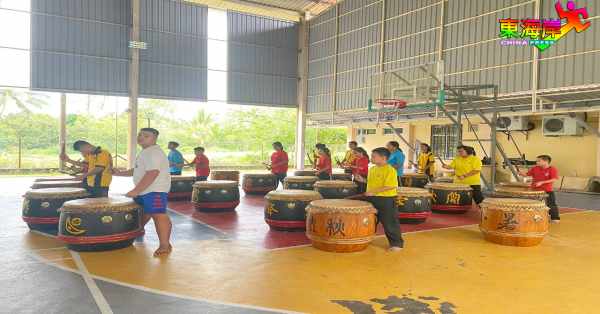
[{"x": 391, "y": 104}]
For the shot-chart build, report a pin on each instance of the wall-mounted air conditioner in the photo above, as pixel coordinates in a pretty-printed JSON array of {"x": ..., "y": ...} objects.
[
  {"x": 561, "y": 125},
  {"x": 512, "y": 124}
]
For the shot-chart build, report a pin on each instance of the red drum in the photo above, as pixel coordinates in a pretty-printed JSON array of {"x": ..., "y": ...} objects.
[
  {"x": 414, "y": 205},
  {"x": 259, "y": 183},
  {"x": 181, "y": 188},
  {"x": 451, "y": 197},
  {"x": 40, "y": 207}
]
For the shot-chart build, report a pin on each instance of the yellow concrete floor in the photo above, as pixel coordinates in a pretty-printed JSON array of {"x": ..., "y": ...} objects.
[{"x": 451, "y": 265}]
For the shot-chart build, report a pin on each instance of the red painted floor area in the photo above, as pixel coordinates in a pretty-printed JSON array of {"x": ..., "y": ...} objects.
[{"x": 247, "y": 223}]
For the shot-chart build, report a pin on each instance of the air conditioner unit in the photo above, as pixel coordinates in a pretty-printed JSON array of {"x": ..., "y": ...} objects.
[
  {"x": 561, "y": 125},
  {"x": 512, "y": 123}
]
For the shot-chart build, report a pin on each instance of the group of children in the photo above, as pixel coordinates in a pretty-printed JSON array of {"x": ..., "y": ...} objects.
[{"x": 177, "y": 162}]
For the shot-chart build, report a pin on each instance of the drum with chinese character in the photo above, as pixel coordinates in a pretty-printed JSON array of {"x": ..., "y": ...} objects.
[
  {"x": 451, "y": 197},
  {"x": 56, "y": 179},
  {"x": 259, "y": 183},
  {"x": 286, "y": 209},
  {"x": 57, "y": 184},
  {"x": 305, "y": 173},
  {"x": 414, "y": 205},
  {"x": 416, "y": 180},
  {"x": 40, "y": 207},
  {"x": 99, "y": 224},
  {"x": 227, "y": 175},
  {"x": 216, "y": 196},
  {"x": 299, "y": 183},
  {"x": 181, "y": 187},
  {"x": 519, "y": 192},
  {"x": 332, "y": 189},
  {"x": 515, "y": 222},
  {"x": 341, "y": 176},
  {"x": 340, "y": 225}
]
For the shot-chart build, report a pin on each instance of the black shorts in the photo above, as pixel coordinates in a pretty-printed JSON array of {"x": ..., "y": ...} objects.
[
  {"x": 97, "y": 191},
  {"x": 201, "y": 178}
]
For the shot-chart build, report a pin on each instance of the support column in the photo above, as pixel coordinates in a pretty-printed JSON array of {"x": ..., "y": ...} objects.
[
  {"x": 598, "y": 151},
  {"x": 62, "y": 134},
  {"x": 302, "y": 93},
  {"x": 134, "y": 82}
]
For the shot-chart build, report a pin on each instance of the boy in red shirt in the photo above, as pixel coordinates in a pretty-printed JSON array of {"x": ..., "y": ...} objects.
[
  {"x": 279, "y": 162},
  {"x": 543, "y": 176},
  {"x": 201, "y": 163},
  {"x": 360, "y": 168},
  {"x": 323, "y": 166}
]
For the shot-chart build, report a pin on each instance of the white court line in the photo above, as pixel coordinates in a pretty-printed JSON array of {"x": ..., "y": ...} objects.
[
  {"x": 197, "y": 220},
  {"x": 91, "y": 284}
]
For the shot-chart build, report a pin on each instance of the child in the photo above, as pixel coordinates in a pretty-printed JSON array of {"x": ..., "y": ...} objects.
[
  {"x": 97, "y": 166},
  {"x": 543, "y": 176},
  {"x": 360, "y": 168},
  {"x": 396, "y": 159},
  {"x": 426, "y": 162},
  {"x": 323, "y": 167},
  {"x": 382, "y": 185},
  {"x": 279, "y": 162},
  {"x": 201, "y": 164},
  {"x": 152, "y": 183},
  {"x": 467, "y": 169},
  {"x": 176, "y": 160}
]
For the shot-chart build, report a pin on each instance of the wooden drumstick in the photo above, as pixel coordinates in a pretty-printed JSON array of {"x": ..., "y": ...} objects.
[{"x": 357, "y": 196}]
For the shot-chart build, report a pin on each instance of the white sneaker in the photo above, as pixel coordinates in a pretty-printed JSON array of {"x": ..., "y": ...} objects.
[
  {"x": 555, "y": 221},
  {"x": 394, "y": 249}
]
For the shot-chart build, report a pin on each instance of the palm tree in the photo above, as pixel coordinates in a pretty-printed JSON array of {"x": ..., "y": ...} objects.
[
  {"x": 202, "y": 127},
  {"x": 21, "y": 100}
]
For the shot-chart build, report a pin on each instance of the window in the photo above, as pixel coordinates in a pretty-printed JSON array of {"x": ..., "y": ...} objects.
[
  {"x": 367, "y": 131},
  {"x": 388, "y": 131},
  {"x": 444, "y": 139}
]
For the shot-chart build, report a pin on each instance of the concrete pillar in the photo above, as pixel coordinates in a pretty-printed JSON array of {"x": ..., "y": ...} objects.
[
  {"x": 302, "y": 93},
  {"x": 598, "y": 150},
  {"x": 62, "y": 135},
  {"x": 134, "y": 82}
]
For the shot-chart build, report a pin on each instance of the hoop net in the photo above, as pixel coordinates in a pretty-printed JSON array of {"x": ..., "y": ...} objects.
[{"x": 389, "y": 108}]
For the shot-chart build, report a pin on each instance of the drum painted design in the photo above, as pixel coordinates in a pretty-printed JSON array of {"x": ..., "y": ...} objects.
[
  {"x": 40, "y": 207},
  {"x": 299, "y": 183},
  {"x": 57, "y": 184},
  {"x": 286, "y": 209},
  {"x": 414, "y": 204},
  {"x": 99, "y": 224},
  {"x": 515, "y": 222},
  {"x": 415, "y": 180},
  {"x": 451, "y": 197},
  {"x": 341, "y": 176},
  {"x": 259, "y": 183},
  {"x": 519, "y": 192},
  {"x": 305, "y": 173},
  {"x": 340, "y": 225},
  {"x": 333, "y": 189},
  {"x": 181, "y": 187},
  {"x": 216, "y": 196},
  {"x": 227, "y": 175}
]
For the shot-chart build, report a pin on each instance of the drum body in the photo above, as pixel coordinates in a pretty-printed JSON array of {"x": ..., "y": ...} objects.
[
  {"x": 305, "y": 173},
  {"x": 56, "y": 179},
  {"x": 334, "y": 189},
  {"x": 299, "y": 183},
  {"x": 99, "y": 224},
  {"x": 216, "y": 196},
  {"x": 286, "y": 210},
  {"x": 40, "y": 207},
  {"x": 519, "y": 192},
  {"x": 57, "y": 184},
  {"x": 515, "y": 222},
  {"x": 227, "y": 175},
  {"x": 259, "y": 183},
  {"x": 181, "y": 187},
  {"x": 340, "y": 225},
  {"x": 341, "y": 176},
  {"x": 451, "y": 197},
  {"x": 414, "y": 205},
  {"x": 415, "y": 180}
]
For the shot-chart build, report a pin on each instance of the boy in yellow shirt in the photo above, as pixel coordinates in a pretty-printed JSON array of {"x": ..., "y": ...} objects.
[
  {"x": 99, "y": 163},
  {"x": 382, "y": 185},
  {"x": 426, "y": 161},
  {"x": 467, "y": 169}
]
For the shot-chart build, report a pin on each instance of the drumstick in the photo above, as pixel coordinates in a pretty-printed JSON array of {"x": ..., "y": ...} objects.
[{"x": 361, "y": 195}]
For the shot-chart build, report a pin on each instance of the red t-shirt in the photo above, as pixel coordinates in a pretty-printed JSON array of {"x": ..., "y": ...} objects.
[
  {"x": 281, "y": 158},
  {"x": 202, "y": 166},
  {"x": 324, "y": 162},
  {"x": 538, "y": 174},
  {"x": 361, "y": 165}
]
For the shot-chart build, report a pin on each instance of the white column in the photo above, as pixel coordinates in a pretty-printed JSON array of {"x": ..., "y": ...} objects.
[
  {"x": 302, "y": 92},
  {"x": 134, "y": 80},
  {"x": 62, "y": 135}
]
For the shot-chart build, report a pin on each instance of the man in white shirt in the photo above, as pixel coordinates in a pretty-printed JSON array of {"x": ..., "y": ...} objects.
[{"x": 152, "y": 181}]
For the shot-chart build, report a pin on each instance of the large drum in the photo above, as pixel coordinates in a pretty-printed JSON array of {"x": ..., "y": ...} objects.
[
  {"x": 286, "y": 209},
  {"x": 336, "y": 189},
  {"x": 57, "y": 184},
  {"x": 516, "y": 222},
  {"x": 519, "y": 192},
  {"x": 415, "y": 180},
  {"x": 414, "y": 205},
  {"x": 444, "y": 180},
  {"x": 305, "y": 173},
  {"x": 340, "y": 225},
  {"x": 341, "y": 176},
  {"x": 259, "y": 183},
  {"x": 99, "y": 224},
  {"x": 299, "y": 183},
  {"x": 40, "y": 207},
  {"x": 56, "y": 179},
  {"x": 216, "y": 196},
  {"x": 515, "y": 184},
  {"x": 451, "y": 197},
  {"x": 227, "y": 175},
  {"x": 181, "y": 187}
]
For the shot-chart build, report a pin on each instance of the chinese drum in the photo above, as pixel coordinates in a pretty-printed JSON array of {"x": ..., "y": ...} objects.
[
  {"x": 40, "y": 207},
  {"x": 286, "y": 209},
  {"x": 415, "y": 180},
  {"x": 216, "y": 196},
  {"x": 56, "y": 179},
  {"x": 519, "y": 192},
  {"x": 444, "y": 180},
  {"x": 512, "y": 221},
  {"x": 515, "y": 184},
  {"x": 341, "y": 176},
  {"x": 414, "y": 205},
  {"x": 340, "y": 225},
  {"x": 305, "y": 173},
  {"x": 451, "y": 197},
  {"x": 181, "y": 187},
  {"x": 259, "y": 183},
  {"x": 228, "y": 175},
  {"x": 57, "y": 184},
  {"x": 299, "y": 183},
  {"x": 99, "y": 224},
  {"x": 336, "y": 189}
]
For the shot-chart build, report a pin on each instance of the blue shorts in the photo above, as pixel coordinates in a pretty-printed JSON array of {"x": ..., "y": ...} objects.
[{"x": 153, "y": 202}]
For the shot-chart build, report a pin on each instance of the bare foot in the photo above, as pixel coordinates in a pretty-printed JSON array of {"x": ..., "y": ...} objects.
[
  {"x": 163, "y": 251},
  {"x": 394, "y": 249}
]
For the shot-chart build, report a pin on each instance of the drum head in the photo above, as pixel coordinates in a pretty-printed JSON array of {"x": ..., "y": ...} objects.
[
  {"x": 259, "y": 175},
  {"x": 335, "y": 184},
  {"x": 519, "y": 191},
  {"x": 56, "y": 193},
  {"x": 301, "y": 179},
  {"x": 409, "y": 191},
  {"x": 293, "y": 195},
  {"x": 450, "y": 186},
  {"x": 216, "y": 184},
  {"x": 341, "y": 205},
  {"x": 100, "y": 204},
  {"x": 513, "y": 204}
]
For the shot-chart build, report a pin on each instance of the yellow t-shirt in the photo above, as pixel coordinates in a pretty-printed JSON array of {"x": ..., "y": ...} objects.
[
  {"x": 100, "y": 158},
  {"x": 380, "y": 176},
  {"x": 426, "y": 159},
  {"x": 349, "y": 157},
  {"x": 464, "y": 165}
]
